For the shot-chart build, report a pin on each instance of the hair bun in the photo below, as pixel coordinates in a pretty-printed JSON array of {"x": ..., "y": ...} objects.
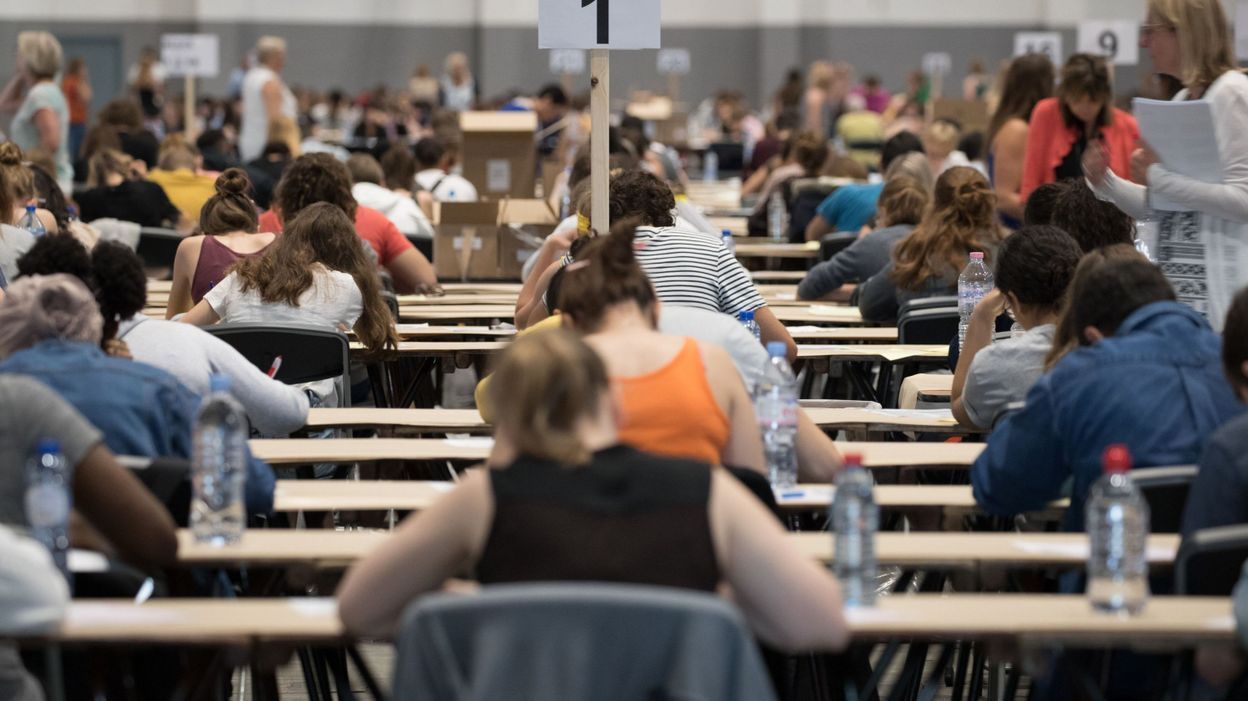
[
  {"x": 233, "y": 181},
  {"x": 10, "y": 154}
]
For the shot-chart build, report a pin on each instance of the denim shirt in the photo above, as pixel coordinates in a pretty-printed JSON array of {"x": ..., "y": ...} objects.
[
  {"x": 1156, "y": 386},
  {"x": 141, "y": 410}
]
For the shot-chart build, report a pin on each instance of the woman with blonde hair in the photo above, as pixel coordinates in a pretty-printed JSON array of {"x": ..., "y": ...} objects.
[
  {"x": 960, "y": 221},
  {"x": 42, "y": 120},
  {"x": 1191, "y": 40},
  {"x": 566, "y": 501},
  {"x": 459, "y": 88}
]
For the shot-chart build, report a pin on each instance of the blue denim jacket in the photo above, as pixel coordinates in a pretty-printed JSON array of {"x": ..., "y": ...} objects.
[
  {"x": 141, "y": 410},
  {"x": 1156, "y": 385}
]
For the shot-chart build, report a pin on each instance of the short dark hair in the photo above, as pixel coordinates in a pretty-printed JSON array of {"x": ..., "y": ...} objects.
[
  {"x": 636, "y": 193},
  {"x": 1041, "y": 203},
  {"x": 1093, "y": 222},
  {"x": 1235, "y": 341},
  {"x": 210, "y": 140},
  {"x": 56, "y": 253},
  {"x": 899, "y": 145},
  {"x": 364, "y": 168},
  {"x": 554, "y": 93},
  {"x": 1036, "y": 264},
  {"x": 429, "y": 153},
  {"x": 972, "y": 145},
  {"x": 399, "y": 167}
]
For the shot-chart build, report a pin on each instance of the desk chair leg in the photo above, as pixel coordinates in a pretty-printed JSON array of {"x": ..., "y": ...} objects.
[
  {"x": 54, "y": 669},
  {"x": 977, "y": 674},
  {"x": 365, "y": 673},
  {"x": 936, "y": 679},
  {"x": 959, "y": 673},
  {"x": 337, "y": 661},
  {"x": 309, "y": 678}
]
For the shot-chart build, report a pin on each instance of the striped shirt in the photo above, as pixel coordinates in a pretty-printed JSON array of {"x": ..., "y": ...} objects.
[{"x": 693, "y": 269}]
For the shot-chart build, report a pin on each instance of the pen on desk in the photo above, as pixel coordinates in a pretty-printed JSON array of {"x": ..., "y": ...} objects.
[
  {"x": 793, "y": 495},
  {"x": 277, "y": 364}
]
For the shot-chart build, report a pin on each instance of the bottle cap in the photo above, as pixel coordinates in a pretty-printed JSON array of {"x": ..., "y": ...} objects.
[
  {"x": 745, "y": 315},
  {"x": 47, "y": 445},
  {"x": 977, "y": 255},
  {"x": 727, "y": 233},
  {"x": 219, "y": 383},
  {"x": 777, "y": 349},
  {"x": 851, "y": 460},
  {"x": 30, "y": 208},
  {"x": 1116, "y": 459}
]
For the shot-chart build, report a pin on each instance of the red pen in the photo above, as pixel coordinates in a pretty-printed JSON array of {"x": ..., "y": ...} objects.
[{"x": 277, "y": 363}]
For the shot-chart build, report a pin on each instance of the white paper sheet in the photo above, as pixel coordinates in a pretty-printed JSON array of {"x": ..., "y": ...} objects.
[
  {"x": 1183, "y": 136},
  {"x": 471, "y": 442},
  {"x": 868, "y": 614},
  {"x": 88, "y": 614},
  {"x": 314, "y": 608}
]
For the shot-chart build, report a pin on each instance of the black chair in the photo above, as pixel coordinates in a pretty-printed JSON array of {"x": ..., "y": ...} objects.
[
  {"x": 832, "y": 244},
  {"x": 158, "y": 247},
  {"x": 927, "y": 326},
  {"x": 308, "y": 354},
  {"x": 168, "y": 479},
  {"x": 1165, "y": 489},
  {"x": 804, "y": 197},
  {"x": 1209, "y": 562}
]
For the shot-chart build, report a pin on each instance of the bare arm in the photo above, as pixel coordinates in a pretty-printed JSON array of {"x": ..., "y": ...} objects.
[
  {"x": 184, "y": 265},
  {"x": 745, "y": 445},
  {"x": 1008, "y": 152},
  {"x": 554, "y": 247},
  {"x": 817, "y": 456},
  {"x": 817, "y": 227},
  {"x": 201, "y": 314},
  {"x": 979, "y": 335},
  {"x": 121, "y": 509},
  {"x": 413, "y": 273},
  {"x": 272, "y": 95},
  {"x": 771, "y": 329}
]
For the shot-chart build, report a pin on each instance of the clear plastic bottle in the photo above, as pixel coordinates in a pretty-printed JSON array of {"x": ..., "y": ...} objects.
[
  {"x": 776, "y": 406},
  {"x": 974, "y": 284},
  {"x": 1117, "y": 523},
  {"x": 219, "y": 467},
  {"x": 1142, "y": 246},
  {"x": 777, "y": 218},
  {"x": 746, "y": 317},
  {"x": 856, "y": 519},
  {"x": 48, "y": 500},
  {"x": 729, "y": 242},
  {"x": 710, "y": 166},
  {"x": 31, "y": 222}
]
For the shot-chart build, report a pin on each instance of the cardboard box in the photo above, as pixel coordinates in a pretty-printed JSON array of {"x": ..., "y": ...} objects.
[
  {"x": 489, "y": 240},
  {"x": 971, "y": 114},
  {"x": 499, "y": 155}
]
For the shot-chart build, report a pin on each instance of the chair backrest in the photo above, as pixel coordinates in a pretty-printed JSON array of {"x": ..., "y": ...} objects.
[
  {"x": 577, "y": 641},
  {"x": 805, "y": 196},
  {"x": 942, "y": 302},
  {"x": 832, "y": 244},
  {"x": 928, "y": 326},
  {"x": 168, "y": 479},
  {"x": 158, "y": 247},
  {"x": 1165, "y": 489},
  {"x": 308, "y": 354},
  {"x": 1210, "y": 561}
]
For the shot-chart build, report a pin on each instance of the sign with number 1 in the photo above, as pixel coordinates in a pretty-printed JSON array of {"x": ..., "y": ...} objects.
[{"x": 598, "y": 24}]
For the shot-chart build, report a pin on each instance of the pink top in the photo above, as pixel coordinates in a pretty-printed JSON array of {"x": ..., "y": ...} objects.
[{"x": 215, "y": 261}]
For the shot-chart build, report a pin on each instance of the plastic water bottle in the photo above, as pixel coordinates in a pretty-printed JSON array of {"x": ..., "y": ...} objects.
[
  {"x": 729, "y": 242},
  {"x": 974, "y": 284},
  {"x": 219, "y": 467},
  {"x": 30, "y": 222},
  {"x": 1117, "y": 523},
  {"x": 856, "y": 518},
  {"x": 48, "y": 500},
  {"x": 775, "y": 404},
  {"x": 710, "y": 166},
  {"x": 746, "y": 317},
  {"x": 1142, "y": 246},
  {"x": 777, "y": 218}
]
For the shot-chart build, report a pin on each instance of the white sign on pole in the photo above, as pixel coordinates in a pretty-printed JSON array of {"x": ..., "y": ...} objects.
[
  {"x": 598, "y": 24},
  {"x": 674, "y": 62},
  {"x": 194, "y": 55},
  {"x": 1117, "y": 40},
  {"x": 937, "y": 63},
  {"x": 1241, "y": 30},
  {"x": 567, "y": 62},
  {"x": 1047, "y": 43}
]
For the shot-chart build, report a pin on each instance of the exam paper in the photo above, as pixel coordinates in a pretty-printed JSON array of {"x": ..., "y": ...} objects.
[{"x": 1182, "y": 134}]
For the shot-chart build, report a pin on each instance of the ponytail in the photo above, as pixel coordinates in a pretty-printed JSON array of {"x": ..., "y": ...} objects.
[
  {"x": 605, "y": 274},
  {"x": 961, "y": 219}
]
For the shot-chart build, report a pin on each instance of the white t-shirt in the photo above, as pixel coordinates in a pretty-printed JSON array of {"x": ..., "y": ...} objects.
[
  {"x": 401, "y": 210},
  {"x": 255, "y": 127},
  {"x": 14, "y": 243},
  {"x": 446, "y": 187}
]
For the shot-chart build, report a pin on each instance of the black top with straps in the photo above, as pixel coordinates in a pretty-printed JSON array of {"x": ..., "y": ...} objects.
[{"x": 627, "y": 517}]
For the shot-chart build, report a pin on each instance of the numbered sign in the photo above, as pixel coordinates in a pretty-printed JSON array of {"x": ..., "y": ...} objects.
[
  {"x": 1241, "y": 30},
  {"x": 598, "y": 24},
  {"x": 567, "y": 61},
  {"x": 1117, "y": 40},
  {"x": 1047, "y": 43},
  {"x": 195, "y": 55},
  {"x": 674, "y": 62},
  {"x": 939, "y": 63}
]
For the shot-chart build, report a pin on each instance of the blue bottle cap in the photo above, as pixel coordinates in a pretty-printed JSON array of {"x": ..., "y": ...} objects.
[
  {"x": 727, "y": 233},
  {"x": 47, "y": 445},
  {"x": 30, "y": 208},
  {"x": 219, "y": 383},
  {"x": 746, "y": 315},
  {"x": 777, "y": 349}
]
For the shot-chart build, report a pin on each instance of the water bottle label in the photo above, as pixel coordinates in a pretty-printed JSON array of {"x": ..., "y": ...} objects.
[{"x": 47, "y": 505}]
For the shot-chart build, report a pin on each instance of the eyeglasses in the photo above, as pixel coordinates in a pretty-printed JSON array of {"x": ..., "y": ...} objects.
[{"x": 1148, "y": 30}]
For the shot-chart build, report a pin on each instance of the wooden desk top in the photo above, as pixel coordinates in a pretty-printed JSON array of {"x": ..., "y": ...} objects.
[
  {"x": 843, "y": 334},
  {"x": 429, "y": 349},
  {"x": 451, "y": 299},
  {"x": 873, "y": 352},
  {"x": 932, "y": 384},
  {"x": 819, "y": 314},
  {"x": 889, "y": 496},
  {"x": 879, "y": 420},
  {"x": 778, "y": 250},
  {"x": 778, "y": 275},
  {"x": 508, "y": 288},
  {"x": 466, "y": 312},
  {"x": 415, "y": 332},
  {"x": 1029, "y": 618},
  {"x": 367, "y": 417}
]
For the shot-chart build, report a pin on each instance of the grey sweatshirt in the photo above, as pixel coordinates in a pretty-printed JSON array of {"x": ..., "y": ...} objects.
[{"x": 857, "y": 263}]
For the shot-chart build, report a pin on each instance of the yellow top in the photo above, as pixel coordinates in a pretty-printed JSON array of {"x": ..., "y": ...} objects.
[
  {"x": 481, "y": 394},
  {"x": 188, "y": 191}
]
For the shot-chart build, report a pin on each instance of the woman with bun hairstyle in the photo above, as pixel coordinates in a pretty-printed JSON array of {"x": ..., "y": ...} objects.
[
  {"x": 229, "y": 223},
  {"x": 961, "y": 220},
  {"x": 21, "y": 188}
]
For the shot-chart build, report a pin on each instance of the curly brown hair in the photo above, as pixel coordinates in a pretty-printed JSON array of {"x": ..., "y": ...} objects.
[
  {"x": 636, "y": 193},
  {"x": 961, "y": 219},
  {"x": 312, "y": 178},
  {"x": 320, "y": 233}
]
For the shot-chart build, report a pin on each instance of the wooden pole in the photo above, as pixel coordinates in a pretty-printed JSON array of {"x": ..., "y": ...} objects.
[
  {"x": 188, "y": 106},
  {"x": 673, "y": 89},
  {"x": 600, "y": 113}
]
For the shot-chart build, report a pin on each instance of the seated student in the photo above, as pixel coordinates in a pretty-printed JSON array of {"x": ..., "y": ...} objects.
[
  {"x": 371, "y": 189},
  {"x": 21, "y": 179},
  {"x": 316, "y": 274},
  {"x": 805, "y": 158},
  {"x": 49, "y": 193},
  {"x": 51, "y": 329},
  {"x": 564, "y": 501},
  {"x": 319, "y": 177},
  {"x": 228, "y": 222},
  {"x": 1042, "y": 204},
  {"x": 1130, "y": 365},
  {"x": 850, "y": 207},
  {"x": 901, "y": 207},
  {"x": 114, "y": 192},
  {"x": 14, "y": 242},
  {"x": 178, "y": 173},
  {"x": 940, "y": 143},
  {"x": 437, "y": 163},
  {"x": 398, "y": 170},
  {"x": 1034, "y": 267},
  {"x": 1093, "y": 222},
  {"x": 961, "y": 220},
  {"x": 188, "y": 353}
]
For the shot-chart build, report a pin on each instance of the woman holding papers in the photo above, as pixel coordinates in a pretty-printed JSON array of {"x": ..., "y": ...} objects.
[{"x": 1203, "y": 226}]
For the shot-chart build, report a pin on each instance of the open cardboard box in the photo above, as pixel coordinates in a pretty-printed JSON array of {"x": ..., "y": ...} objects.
[
  {"x": 498, "y": 153},
  {"x": 489, "y": 240}
]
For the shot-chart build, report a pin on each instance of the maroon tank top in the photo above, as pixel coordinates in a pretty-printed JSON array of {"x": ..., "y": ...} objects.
[{"x": 215, "y": 259}]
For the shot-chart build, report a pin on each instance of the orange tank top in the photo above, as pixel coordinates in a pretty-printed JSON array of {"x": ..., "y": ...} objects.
[{"x": 672, "y": 411}]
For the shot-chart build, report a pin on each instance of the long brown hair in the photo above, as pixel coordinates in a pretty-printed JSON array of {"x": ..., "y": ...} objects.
[
  {"x": 323, "y": 234},
  {"x": 1028, "y": 80},
  {"x": 21, "y": 179},
  {"x": 961, "y": 219},
  {"x": 230, "y": 209},
  {"x": 606, "y": 273},
  {"x": 545, "y": 384},
  {"x": 1086, "y": 75},
  {"x": 7, "y": 199}
]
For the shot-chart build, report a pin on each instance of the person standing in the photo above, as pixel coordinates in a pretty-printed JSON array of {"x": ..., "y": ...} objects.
[
  {"x": 265, "y": 97},
  {"x": 1203, "y": 247},
  {"x": 42, "y": 121},
  {"x": 459, "y": 88},
  {"x": 76, "y": 87},
  {"x": 1028, "y": 81}
]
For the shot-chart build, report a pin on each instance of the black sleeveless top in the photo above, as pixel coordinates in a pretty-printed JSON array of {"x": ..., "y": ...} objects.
[{"x": 628, "y": 517}]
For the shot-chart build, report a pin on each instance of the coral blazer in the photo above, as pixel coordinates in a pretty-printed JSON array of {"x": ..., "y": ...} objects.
[{"x": 1049, "y": 140}]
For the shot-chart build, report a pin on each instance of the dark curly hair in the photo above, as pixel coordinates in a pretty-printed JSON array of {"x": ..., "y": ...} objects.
[
  {"x": 119, "y": 282},
  {"x": 636, "y": 193},
  {"x": 1042, "y": 202},
  {"x": 56, "y": 253},
  {"x": 312, "y": 178},
  {"x": 1036, "y": 264},
  {"x": 1092, "y": 222}
]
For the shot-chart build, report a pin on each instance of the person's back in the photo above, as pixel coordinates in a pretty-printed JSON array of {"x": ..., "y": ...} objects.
[
  {"x": 217, "y": 254},
  {"x": 255, "y": 116},
  {"x": 865, "y": 257},
  {"x": 14, "y": 242},
  {"x": 140, "y": 201},
  {"x": 187, "y": 189},
  {"x": 693, "y": 269}
]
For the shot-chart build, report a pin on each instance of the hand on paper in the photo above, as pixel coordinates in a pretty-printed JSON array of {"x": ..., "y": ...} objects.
[{"x": 1143, "y": 157}]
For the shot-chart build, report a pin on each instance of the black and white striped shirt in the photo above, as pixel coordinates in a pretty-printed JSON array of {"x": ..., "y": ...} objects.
[{"x": 693, "y": 269}]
